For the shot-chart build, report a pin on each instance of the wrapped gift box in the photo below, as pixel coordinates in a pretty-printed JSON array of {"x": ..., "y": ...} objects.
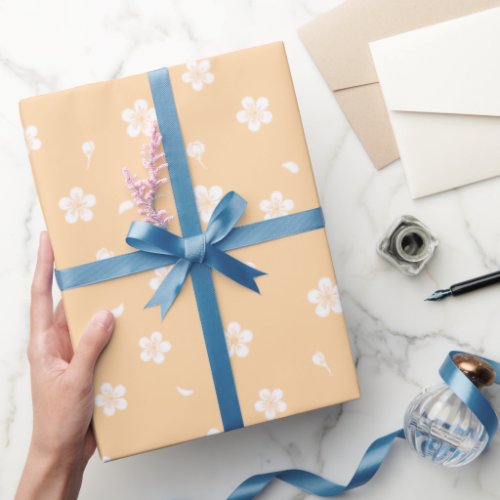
[{"x": 286, "y": 348}]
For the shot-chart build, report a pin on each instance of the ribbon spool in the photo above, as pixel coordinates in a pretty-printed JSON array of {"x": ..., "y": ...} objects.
[{"x": 463, "y": 375}]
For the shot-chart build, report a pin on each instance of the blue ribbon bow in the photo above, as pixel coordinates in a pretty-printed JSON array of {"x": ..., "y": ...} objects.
[{"x": 199, "y": 249}]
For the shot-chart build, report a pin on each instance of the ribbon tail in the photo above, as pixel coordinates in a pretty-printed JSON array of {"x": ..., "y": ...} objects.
[
  {"x": 317, "y": 485},
  {"x": 232, "y": 268},
  {"x": 170, "y": 287}
]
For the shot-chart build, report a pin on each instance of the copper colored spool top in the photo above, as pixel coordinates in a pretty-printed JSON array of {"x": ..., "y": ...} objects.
[{"x": 476, "y": 369}]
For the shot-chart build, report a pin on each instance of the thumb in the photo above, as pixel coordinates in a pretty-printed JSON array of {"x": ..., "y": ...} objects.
[{"x": 93, "y": 341}]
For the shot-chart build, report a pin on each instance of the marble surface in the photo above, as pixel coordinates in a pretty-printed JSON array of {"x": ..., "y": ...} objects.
[{"x": 398, "y": 339}]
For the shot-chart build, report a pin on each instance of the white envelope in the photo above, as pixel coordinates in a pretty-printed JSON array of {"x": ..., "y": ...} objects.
[{"x": 441, "y": 85}]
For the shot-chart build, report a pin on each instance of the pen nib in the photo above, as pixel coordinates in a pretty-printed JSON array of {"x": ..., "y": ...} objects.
[{"x": 439, "y": 294}]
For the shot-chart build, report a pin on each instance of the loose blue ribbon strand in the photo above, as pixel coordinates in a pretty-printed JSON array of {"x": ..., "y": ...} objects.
[
  {"x": 376, "y": 453},
  {"x": 196, "y": 252}
]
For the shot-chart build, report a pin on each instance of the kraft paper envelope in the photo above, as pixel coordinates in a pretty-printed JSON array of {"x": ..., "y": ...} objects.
[
  {"x": 338, "y": 43},
  {"x": 442, "y": 88}
]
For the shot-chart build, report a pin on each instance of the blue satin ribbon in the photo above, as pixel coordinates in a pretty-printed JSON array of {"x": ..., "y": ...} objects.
[
  {"x": 377, "y": 451},
  {"x": 131, "y": 263},
  {"x": 195, "y": 252},
  {"x": 199, "y": 249}
]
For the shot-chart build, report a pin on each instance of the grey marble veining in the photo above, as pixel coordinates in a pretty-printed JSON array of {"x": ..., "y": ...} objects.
[{"x": 398, "y": 339}]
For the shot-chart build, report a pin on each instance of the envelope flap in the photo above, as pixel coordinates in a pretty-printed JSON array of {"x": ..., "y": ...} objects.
[
  {"x": 338, "y": 40},
  {"x": 451, "y": 67}
]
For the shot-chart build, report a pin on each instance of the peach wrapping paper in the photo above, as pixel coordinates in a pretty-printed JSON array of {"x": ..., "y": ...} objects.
[{"x": 242, "y": 131}]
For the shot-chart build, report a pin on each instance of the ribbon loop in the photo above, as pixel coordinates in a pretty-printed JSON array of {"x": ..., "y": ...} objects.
[
  {"x": 153, "y": 239},
  {"x": 225, "y": 216}
]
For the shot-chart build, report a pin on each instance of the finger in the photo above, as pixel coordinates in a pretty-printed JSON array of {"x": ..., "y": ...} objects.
[
  {"x": 60, "y": 316},
  {"x": 41, "y": 288},
  {"x": 59, "y": 340},
  {"x": 92, "y": 343}
]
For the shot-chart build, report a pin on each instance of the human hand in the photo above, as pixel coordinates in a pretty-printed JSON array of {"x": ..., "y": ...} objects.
[{"x": 62, "y": 391}]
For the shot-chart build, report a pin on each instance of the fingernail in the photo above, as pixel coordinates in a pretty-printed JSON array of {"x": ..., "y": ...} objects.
[{"x": 104, "y": 319}]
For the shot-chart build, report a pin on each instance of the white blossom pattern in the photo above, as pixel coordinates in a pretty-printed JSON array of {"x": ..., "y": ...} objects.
[
  {"x": 77, "y": 205},
  {"x": 254, "y": 113},
  {"x": 276, "y": 206},
  {"x": 291, "y": 166},
  {"x": 31, "y": 138},
  {"x": 88, "y": 149},
  {"x": 198, "y": 74},
  {"x": 140, "y": 119},
  {"x": 326, "y": 297},
  {"x": 125, "y": 206},
  {"x": 103, "y": 253},
  {"x": 154, "y": 348},
  {"x": 186, "y": 393},
  {"x": 118, "y": 310},
  {"x": 270, "y": 403},
  {"x": 318, "y": 358},
  {"x": 160, "y": 275},
  {"x": 111, "y": 399},
  {"x": 237, "y": 340},
  {"x": 196, "y": 150},
  {"x": 206, "y": 200}
]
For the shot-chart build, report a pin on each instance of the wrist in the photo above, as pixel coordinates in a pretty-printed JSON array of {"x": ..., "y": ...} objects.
[
  {"x": 50, "y": 475},
  {"x": 57, "y": 458},
  {"x": 67, "y": 449}
]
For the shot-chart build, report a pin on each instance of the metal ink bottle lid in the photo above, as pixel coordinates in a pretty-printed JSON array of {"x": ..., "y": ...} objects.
[{"x": 408, "y": 244}]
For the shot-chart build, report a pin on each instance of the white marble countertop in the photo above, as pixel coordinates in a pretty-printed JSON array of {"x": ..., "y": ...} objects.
[{"x": 398, "y": 339}]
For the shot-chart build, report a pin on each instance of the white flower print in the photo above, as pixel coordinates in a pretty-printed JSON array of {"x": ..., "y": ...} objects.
[
  {"x": 276, "y": 206},
  {"x": 160, "y": 275},
  {"x": 88, "y": 148},
  {"x": 196, "y": 150},
  {"x": 125, "y": 206},
  {"x": 184, "y": 392},
  {"x": 77, "y": 205},
  {"x": 104, "y": 253},
  {"x": 198, "y": 74},
  {"x": 326, "y": 297},
  {"x": 207, "y": 200},
  {"x": 254, "y": 112},
  {"x": 111, "y": 399},
  {"x": 140, "y": 119},
  {"x": 291, "y": 166},
  {"x": 31, "y": 138},
  {"x": 270, "y": 403},
  {"x": 237, "y": 340},
  {"x": 318, "y": 358},
  {"x": 154, "y": 348},
  {"x": 118, "y": 310}
]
